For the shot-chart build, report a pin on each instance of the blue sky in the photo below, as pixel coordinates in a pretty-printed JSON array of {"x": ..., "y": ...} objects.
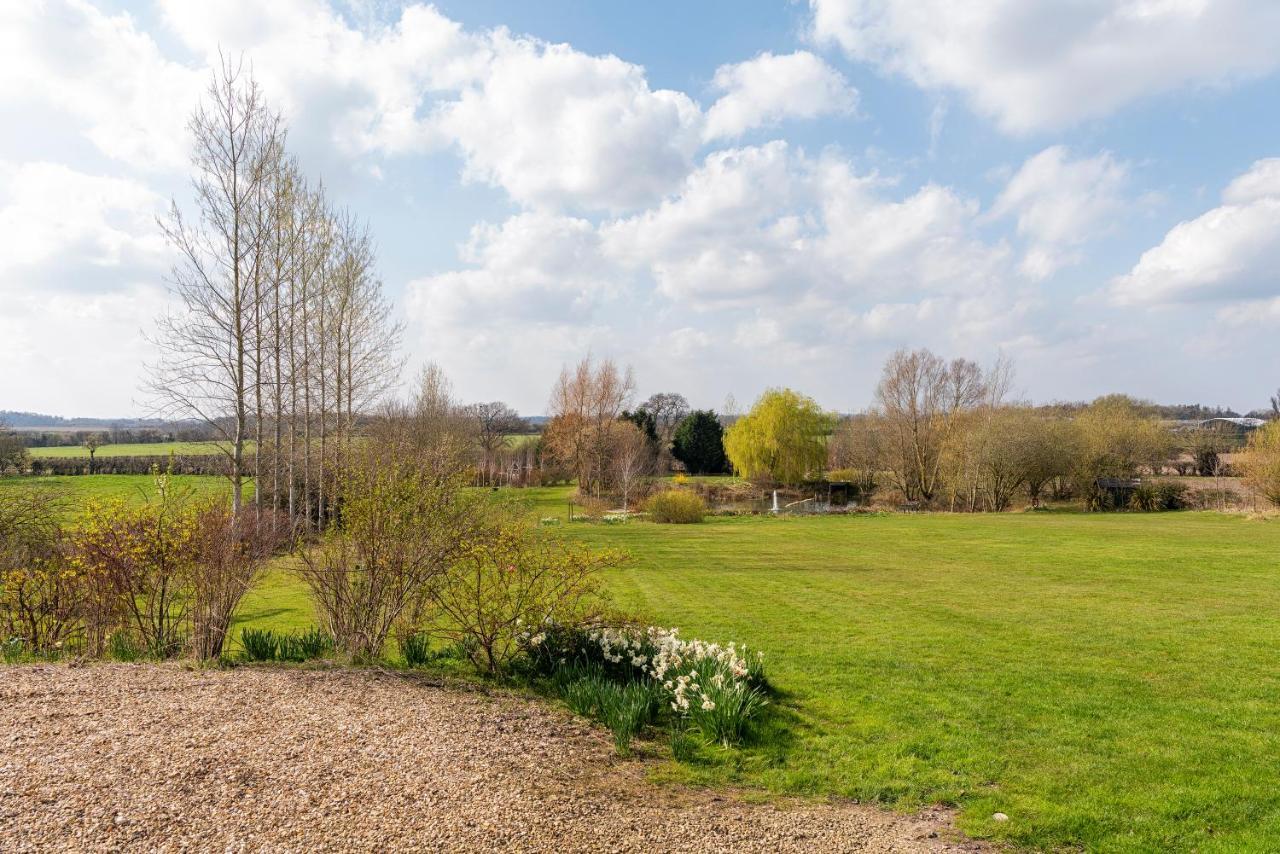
[{"x": 726, "y": 196}]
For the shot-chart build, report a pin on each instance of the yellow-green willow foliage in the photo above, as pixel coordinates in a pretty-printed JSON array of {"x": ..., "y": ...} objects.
[{"x": 783, "y": 439}]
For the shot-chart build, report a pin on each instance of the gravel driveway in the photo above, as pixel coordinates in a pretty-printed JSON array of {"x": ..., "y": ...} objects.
[{"x": 144, "y": 757}]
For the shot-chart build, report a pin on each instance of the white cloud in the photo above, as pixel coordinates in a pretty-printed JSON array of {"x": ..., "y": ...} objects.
[
  {"x": 764, "y": 254},
  {"x": 770, "y": 88},
  {"x": 129, "y": 100},
  {"x": 1047, "y": 65},
  {"x": 1231, "y": 252},
  {"x": 1058, "y": 203},
  {"x": 556, "y": 127},
  {"x": 366, "y": 89},
  {"x": 65, "y": 230}
]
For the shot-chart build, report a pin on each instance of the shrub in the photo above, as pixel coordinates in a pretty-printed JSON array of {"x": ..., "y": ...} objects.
[
  {"x": 1151, "y": 497},
  {"x": 259, "y": 644},
  {"x": 404, "y": 517},
  {"x": 41, "y": 596},
  {"x": 231, "y": 552},
  {"x": 1261, "y": 463},
  {"x": 508, "y": 578},
  {"x": 144, "y": 556},
  {"x": 676, "y": 506}
]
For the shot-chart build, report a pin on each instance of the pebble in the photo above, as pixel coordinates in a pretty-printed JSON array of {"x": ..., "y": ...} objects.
[{"x": 358, "y": 760}]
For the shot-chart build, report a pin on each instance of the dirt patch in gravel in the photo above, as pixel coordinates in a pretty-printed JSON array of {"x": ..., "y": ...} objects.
[{"x": 133, "y": 757}]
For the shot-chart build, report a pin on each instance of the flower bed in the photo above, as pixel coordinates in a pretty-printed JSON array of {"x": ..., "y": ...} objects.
[{"x": 715, "y": 689}]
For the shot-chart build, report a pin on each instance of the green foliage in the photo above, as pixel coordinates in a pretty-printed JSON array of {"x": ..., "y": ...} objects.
[
  {"x": 270, "y": 645},
  {"x": 1152, "y": 497},
  {"x": 121, "y": 646},
  {"x": 698, "y": 442},
  {"x": 684, "y": 745},
  {"x": 626, "y": 709},
  {"x": 781, "y": 440},
  {"x": 259, "y": 644},
  {"x": 304, "y": 646},
  {"x": 417, "y": 651},
  {"x": 676, "y": 506}
]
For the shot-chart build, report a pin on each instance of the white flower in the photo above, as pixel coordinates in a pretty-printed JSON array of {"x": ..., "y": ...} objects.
[{"x": 707, "y": 705}]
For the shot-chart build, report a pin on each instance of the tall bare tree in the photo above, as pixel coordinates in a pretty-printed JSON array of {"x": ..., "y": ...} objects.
[
  {"x": 921, "y": 398},
  {"x": 206, "y": 365}
]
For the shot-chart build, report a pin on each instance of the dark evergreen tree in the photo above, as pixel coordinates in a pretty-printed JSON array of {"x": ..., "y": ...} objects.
[{"x": 699, "y": 443}]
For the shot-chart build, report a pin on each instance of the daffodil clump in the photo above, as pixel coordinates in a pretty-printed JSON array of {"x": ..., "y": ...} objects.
[{"x": 718, "y": 688}]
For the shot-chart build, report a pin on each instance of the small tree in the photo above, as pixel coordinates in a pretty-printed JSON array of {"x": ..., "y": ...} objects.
[
  {"x": 509, "y": 582},
  {"x": 633, "y": 458},
  {"x": 232, "y": 552},
  {"x": 781, "y": 440},
  {"x": 92, "y": 442},
  {"x": 698, "y": 442},
  {"x": 13, "y": 451},
  {"x": 405, "y": 515},
  {"x": 1261, "y": 461}
]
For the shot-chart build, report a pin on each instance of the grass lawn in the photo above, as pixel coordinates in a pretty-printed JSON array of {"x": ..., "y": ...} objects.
[
  {"x": 1107, "y": 681},
  {"x": 145, "y": 449}
]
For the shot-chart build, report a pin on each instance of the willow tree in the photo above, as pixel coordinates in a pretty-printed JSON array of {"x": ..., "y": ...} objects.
[{"x": 783, "y": 439}]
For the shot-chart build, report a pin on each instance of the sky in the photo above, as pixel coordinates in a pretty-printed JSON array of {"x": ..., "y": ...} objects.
[{"x": 726, "y": 196}]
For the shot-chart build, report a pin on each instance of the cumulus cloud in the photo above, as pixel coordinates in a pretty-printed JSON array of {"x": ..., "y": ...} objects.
[
  {"x": 1044, "y": 66},
  {"x": 1059, "y": 202},
  {"x": 1231, "y": 252},
  {"x": 556, "y": 127},
  {"x": 791, "y": 258},
  {"x": 769, "y": 88},
  {"x": 129, "y": 101},
  {"x": 66, "y": 230}
]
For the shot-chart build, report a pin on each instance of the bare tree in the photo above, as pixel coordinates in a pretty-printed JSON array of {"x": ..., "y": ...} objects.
[
  {"x": 491, "y": 424},
  {"x": 921, "y": 398},
  {"x": 206, "y": 365},
  {"x": 632, "y": 457},
  {"x": 584, "y": 404},
  {"x": 668, "y": 410}
]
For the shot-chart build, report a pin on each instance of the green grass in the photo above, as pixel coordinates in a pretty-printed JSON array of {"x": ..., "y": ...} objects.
[
  {"x": 133, "y": 487},
  {"x": 146, "y": 449},
  {"x": 1108, "y": 681}
]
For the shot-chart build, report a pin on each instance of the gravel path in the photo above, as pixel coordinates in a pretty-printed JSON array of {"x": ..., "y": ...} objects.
[{"x": 141, "y": 757}]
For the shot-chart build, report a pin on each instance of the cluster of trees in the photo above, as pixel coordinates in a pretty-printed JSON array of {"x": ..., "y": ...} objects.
[
  {"x": 609, "y": 447},
  {"x": 282, "y": 335},
  {"x": 944, "y": 434}
]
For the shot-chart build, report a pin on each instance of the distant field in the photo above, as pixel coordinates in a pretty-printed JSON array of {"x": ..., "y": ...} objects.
[
  {"x": 132, "y": 487},
  {"x": 144, "y": 449}
]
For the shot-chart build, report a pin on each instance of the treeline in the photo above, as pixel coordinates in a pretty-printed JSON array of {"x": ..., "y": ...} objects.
[
  {"x": 282, "y": 337},
  {"x": 114, "y": 436},
  {"x": 202, "y": 464},
  {"x": 942, "y": 434}
]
